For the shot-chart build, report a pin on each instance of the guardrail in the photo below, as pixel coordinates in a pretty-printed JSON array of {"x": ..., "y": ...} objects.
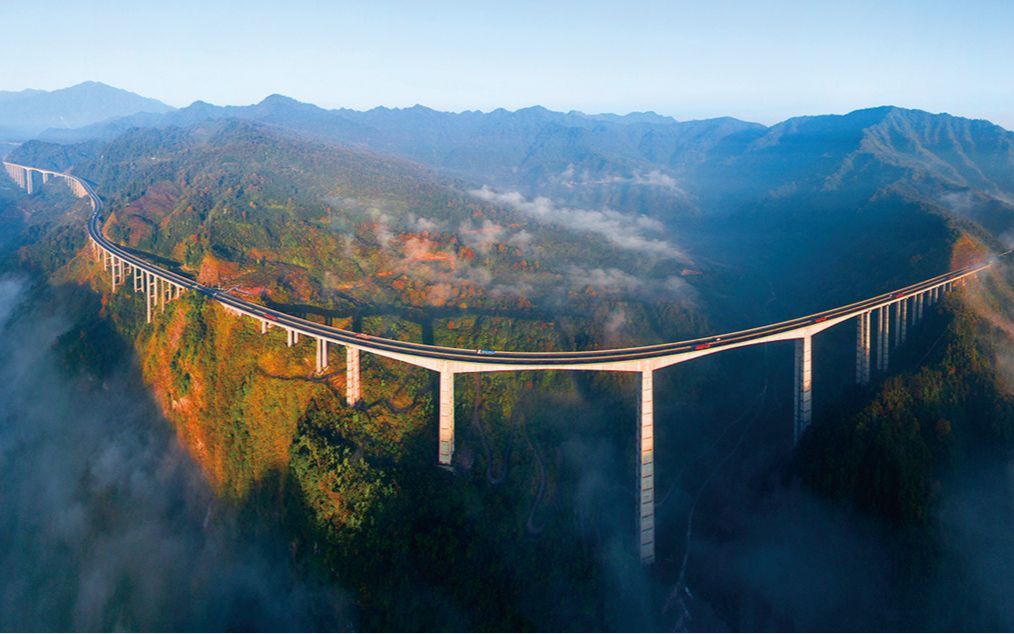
[{"x": 905, "y": 306}]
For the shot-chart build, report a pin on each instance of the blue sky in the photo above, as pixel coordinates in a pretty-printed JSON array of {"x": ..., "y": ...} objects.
[{"x": 763, "y": 61}]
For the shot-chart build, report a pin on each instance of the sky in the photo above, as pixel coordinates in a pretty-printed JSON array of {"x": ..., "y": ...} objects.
[{"x": 760, "y": 61}]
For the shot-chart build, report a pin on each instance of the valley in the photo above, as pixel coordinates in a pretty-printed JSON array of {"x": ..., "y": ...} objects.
[{"x": 564, "y": 232}]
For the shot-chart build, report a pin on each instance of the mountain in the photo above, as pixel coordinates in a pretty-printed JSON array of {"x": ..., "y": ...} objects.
[
  {"x": 380, "y": 220},
  {"x": 783, "y": 201},
  {"x": 534, "y": 150},
  {"x": 673, "y": 171},
  {"x": 27, "y": 113},
  {"x": 833, "y": 195},
  {"x": 342, "y": 228}
]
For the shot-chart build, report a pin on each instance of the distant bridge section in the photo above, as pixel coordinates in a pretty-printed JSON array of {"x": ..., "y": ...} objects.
[
  {"x": 27, "y": 178},
  {"x": 882, "y": 322}
]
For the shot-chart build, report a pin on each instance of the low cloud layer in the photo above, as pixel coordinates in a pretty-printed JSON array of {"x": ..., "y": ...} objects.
[
  {"x": 104, "y": 522},
  {"x": 635, "y": 232},
  {"x": 613, "y": 282},
  {"x": 654, "y": 178}
]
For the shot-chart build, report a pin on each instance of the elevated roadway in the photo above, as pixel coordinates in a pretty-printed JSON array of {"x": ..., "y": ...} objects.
[{"x": 895, "y": 311}]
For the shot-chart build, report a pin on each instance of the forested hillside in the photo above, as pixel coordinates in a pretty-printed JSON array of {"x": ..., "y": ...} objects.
[
  {"x": 353, "y": 233},
  {"x": 820, "y": 211},
  {"x": 824, "y": 197}
]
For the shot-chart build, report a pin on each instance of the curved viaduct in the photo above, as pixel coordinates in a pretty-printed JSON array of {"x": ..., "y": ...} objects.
[{"x": 893, "y": 311}]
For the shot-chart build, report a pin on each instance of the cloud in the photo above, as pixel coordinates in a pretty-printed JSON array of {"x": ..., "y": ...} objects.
[
  {"x": 609, "y": 280},
  {"x": 656, "y": 178},
  {"x": 615, "y": 323},
  {"x": 635, "y": 232},
  {"x": 105, "y": 522},
  {"x": 653, "y": 178},
  {"x": 483, "y": 237},
  {"x": 521, "y": 240},
  {"x": 613, "y": 281}
]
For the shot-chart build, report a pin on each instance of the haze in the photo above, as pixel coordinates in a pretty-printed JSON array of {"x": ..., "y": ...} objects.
[{"x": 757, "y": 61}]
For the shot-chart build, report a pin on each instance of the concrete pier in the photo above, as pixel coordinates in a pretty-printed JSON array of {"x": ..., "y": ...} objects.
[
  {"x": 353, "y": 392},
  {"x": 321, "y": 355},
  {"x": 149, "y": 295},
  {"x": 887, "y": 336},
  {"x": 445, "y": 451},
  {"x": 903, "y": 320},
  {"x": 863, "y": 348},
  {"x": 896, "y": 341},
  {"x": 646, "y": 467},
  {"x": 880, "y": 339},
  {"x": 804, "y": 383},
  {"x": 14, "y": 172}
]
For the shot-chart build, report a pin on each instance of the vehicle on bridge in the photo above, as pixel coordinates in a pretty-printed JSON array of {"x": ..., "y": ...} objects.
[{"x": 449, "y": 362}]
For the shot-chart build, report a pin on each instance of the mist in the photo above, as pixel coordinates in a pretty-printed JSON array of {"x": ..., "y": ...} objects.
[{"x": 105, "y": 523}]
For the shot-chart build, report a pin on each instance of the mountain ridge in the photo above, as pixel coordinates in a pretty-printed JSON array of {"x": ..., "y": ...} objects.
[{"x": 28, "y": 113}]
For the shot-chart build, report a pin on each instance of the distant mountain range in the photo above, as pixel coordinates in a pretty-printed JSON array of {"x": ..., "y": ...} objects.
[
  {"x": 27, "y": 113},
  {"x": 739, "y": 192},
  {"x": 534, "y": 150},
  {"x": 644, "y": 161}
]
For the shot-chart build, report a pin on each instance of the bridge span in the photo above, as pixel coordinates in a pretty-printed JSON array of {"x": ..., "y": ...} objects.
[{"x": 881, "y": 325}]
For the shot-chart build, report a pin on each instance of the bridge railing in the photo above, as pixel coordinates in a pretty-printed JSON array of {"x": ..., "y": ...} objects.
[{"x": 903, "y": 307}]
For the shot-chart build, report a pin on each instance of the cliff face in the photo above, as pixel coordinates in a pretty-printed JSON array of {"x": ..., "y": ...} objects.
[
  {"x": 235, "y": 401},
  {"x": 356, "y": 488}
]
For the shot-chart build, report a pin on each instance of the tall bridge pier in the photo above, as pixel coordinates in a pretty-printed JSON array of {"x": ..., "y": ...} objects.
[
  {"x": 445, "y": 418},
  {"x": 898, "y": 325},
  {"x": 321, "y": 345},
  {"x": 646, "y": 467},
  {"x": 803, "y": 412},
  {"x": 24, "y": 177},
  {"x": 904, "y": 318},
  {"x": 863, "y": 348},
  {"x": 353, "y": 390}
]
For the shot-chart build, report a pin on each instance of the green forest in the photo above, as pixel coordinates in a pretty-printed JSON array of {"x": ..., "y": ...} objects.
[{"x": 505, "y": 540}]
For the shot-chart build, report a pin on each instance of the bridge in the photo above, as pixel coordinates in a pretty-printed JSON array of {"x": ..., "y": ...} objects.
[
  {"x": 881, "y": 325},
  {"x": 25, "y": 177}
]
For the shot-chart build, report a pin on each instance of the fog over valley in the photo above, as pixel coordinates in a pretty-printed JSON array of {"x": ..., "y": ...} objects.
[
  {"x": 108, "y": 524},
  {"x": 541, "y": 352}
]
